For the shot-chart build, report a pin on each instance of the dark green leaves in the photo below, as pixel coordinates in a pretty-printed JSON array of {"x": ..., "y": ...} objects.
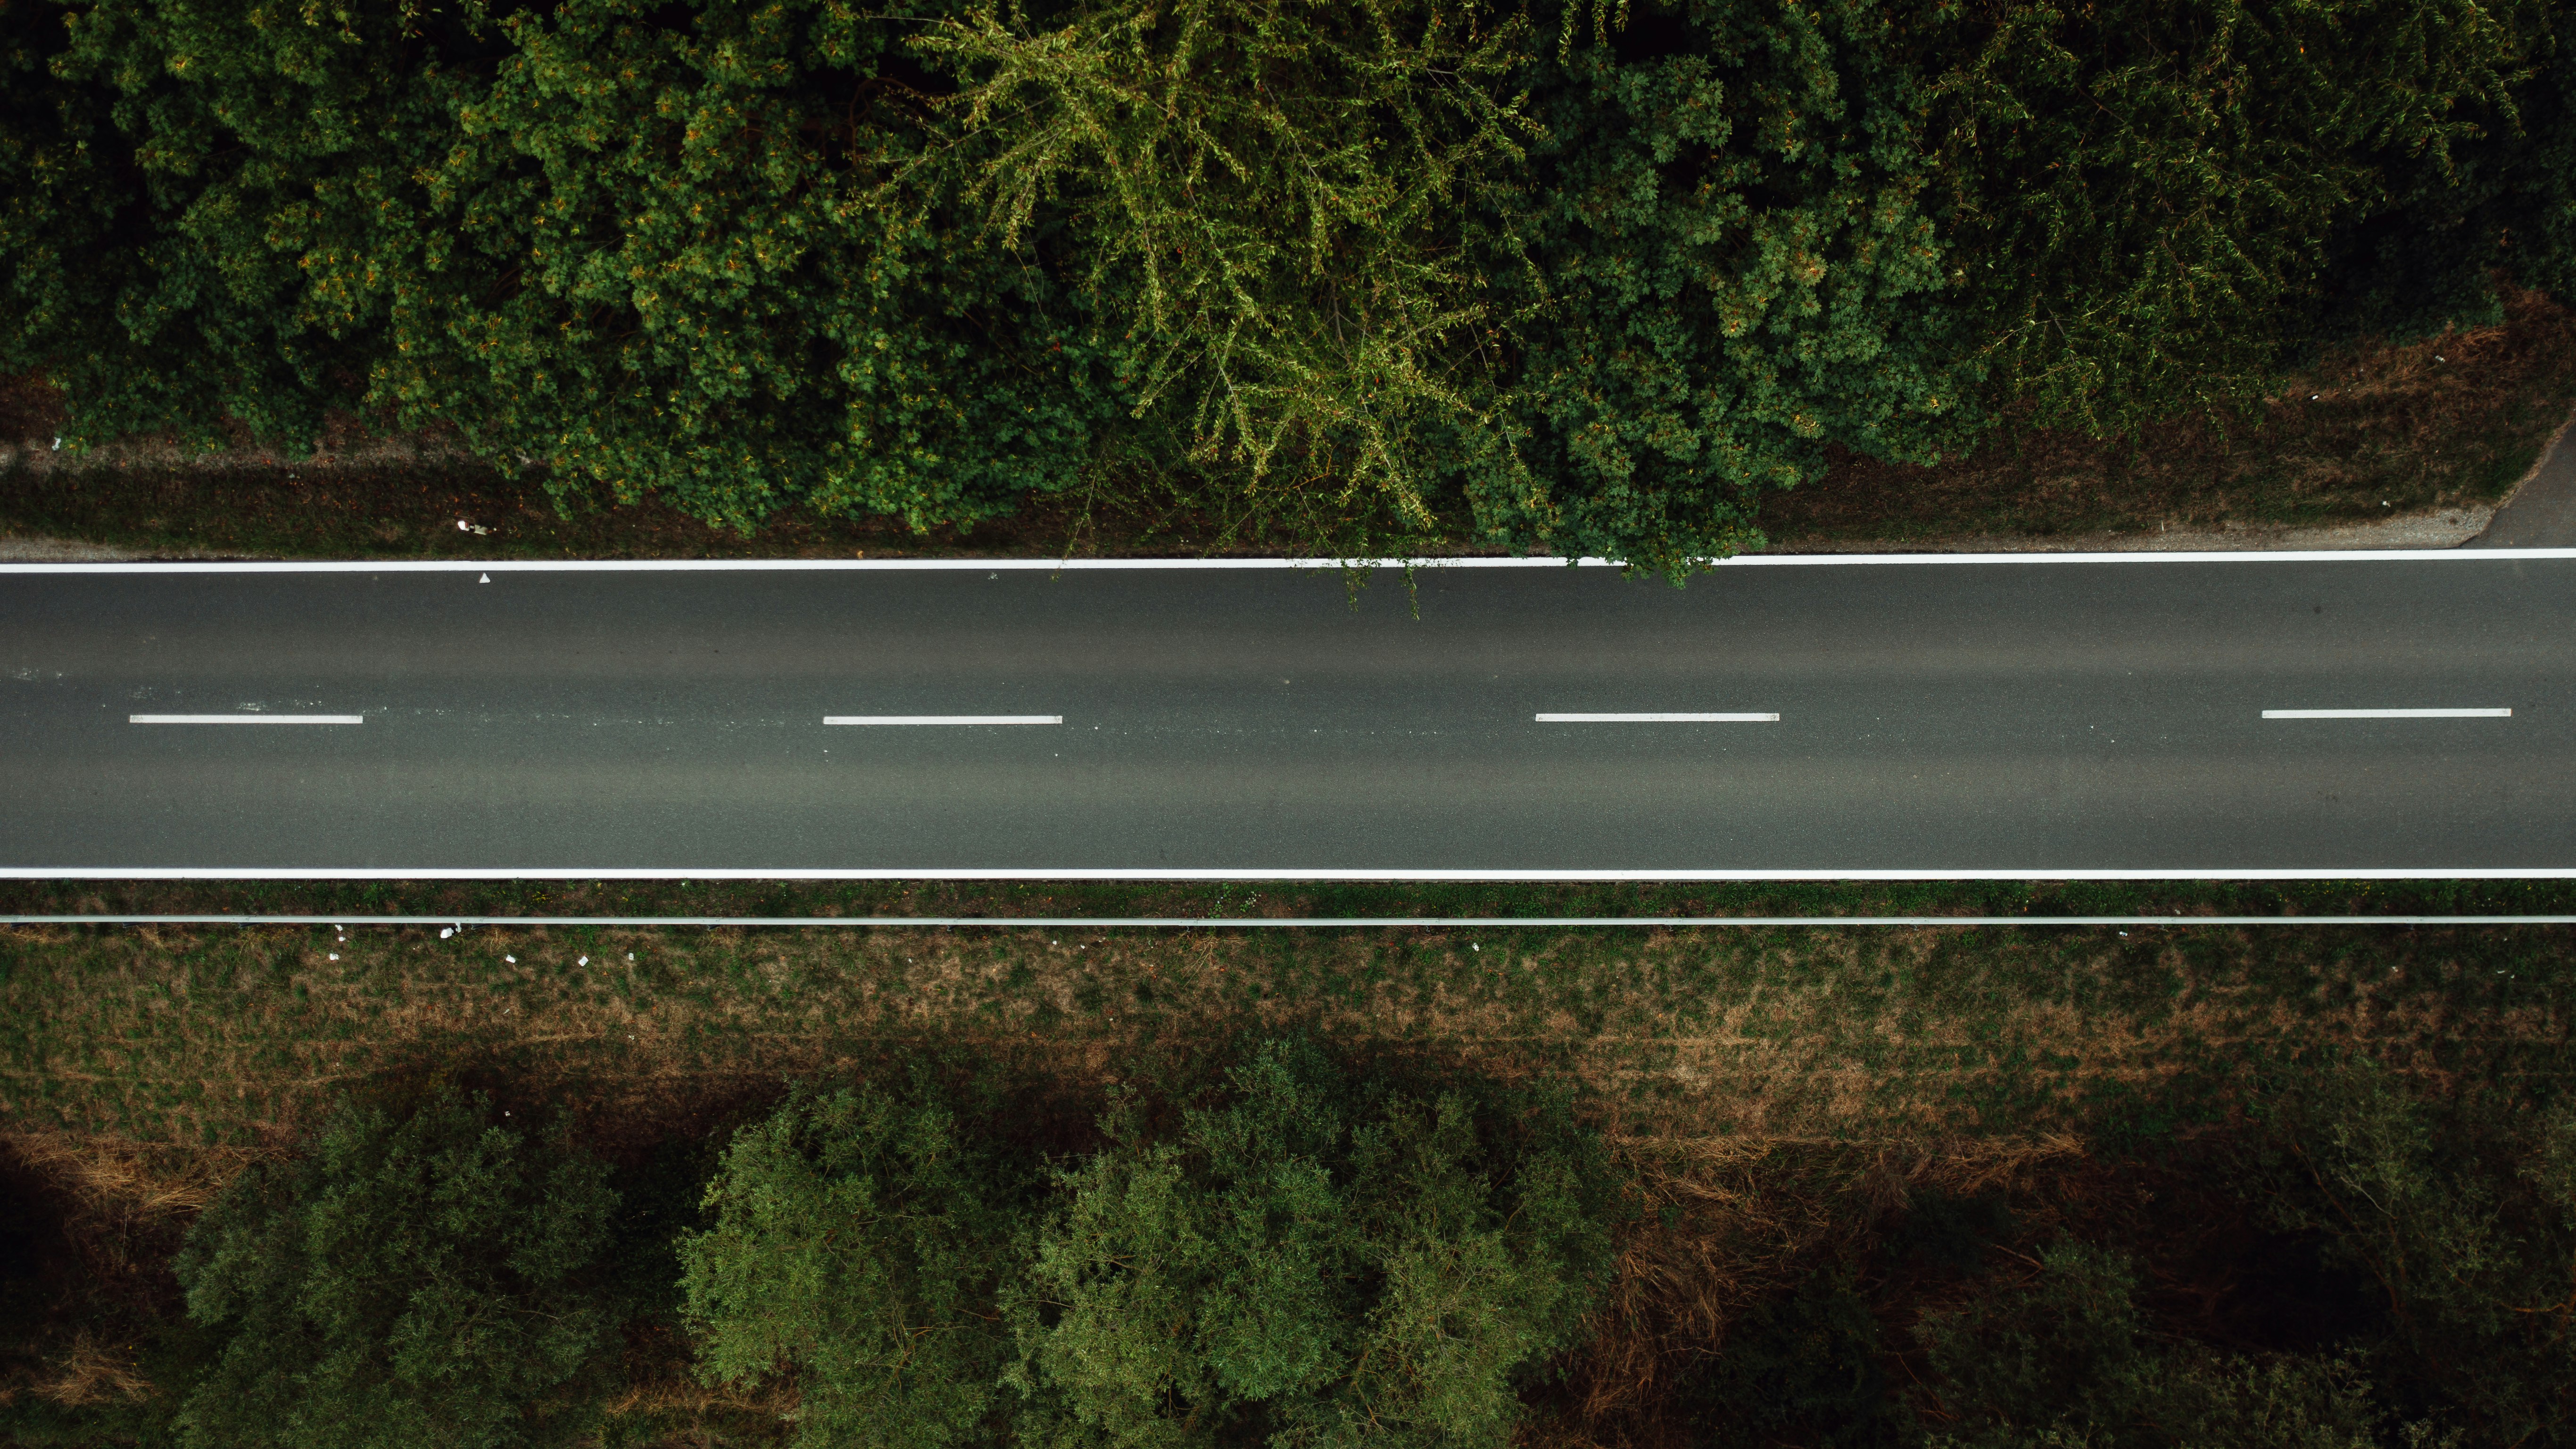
[
  {"x": 1296, "y": 1255},
  {"x": 2141, "y": 198},
  {"x": 422, "y": 1280},
  {"x": 859, "y": 1242},
  {"x": 682, "y": 270},
  {"x": 1732, "y": 268},
  {"x": 1343, "y": 276}
]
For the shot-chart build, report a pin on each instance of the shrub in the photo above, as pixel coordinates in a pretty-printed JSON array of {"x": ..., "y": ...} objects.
[
  {"x": 861, "y": 1240},
  {"x": 2065, "y": 1362},
  {"x": 1309, "y": 1258},
  {"x": 422, "y": 1279}
]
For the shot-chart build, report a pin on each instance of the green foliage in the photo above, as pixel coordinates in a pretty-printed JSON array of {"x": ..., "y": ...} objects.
[
  {"x": 60, "y": 194},
  {"x": 659, "y": 256},
  {"x": 2065, "y": 1362},
  {"x": 2497, "y": 205},
  {"x": 667, "y": 256},
  {"x": 1309, "y": 1259},
  {"x": 1283, "y": 200},
  {"x": 1807, "y": 1368},
  {"x": 157, "y": 282},
  {"x": 860, "y": 1242},
  {"x": 2140, "y": 195},
  {"x": 1730, "y": 267},
  {"x": 412, "y": 1281},
  {"x": 1352, "y": 275},
  {"x": 2463, "y": 1213}
]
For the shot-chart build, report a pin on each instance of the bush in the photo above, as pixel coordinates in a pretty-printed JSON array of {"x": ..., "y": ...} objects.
[
  {"x": 2065, "y": 1362},
  {"x": 861, "y": 1242},
  {"x": 422, "y": 1279},
  {"x": 2463, "y": 1213},
  {"x": 1312, "y": 1259}
]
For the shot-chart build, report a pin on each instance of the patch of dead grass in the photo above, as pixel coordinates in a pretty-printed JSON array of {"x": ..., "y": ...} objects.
[
  {"x": 2375, "y": 431},
  {"x": 85, "y": 1373},
  {"x": 182, "y": 1036}
]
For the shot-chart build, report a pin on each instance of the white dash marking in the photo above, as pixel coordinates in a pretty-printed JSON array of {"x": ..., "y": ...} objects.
[
  {"x": 2387, "y": 714},
  {"x": 273, "y": 719},
  {"x": 943, "y": 719},
  {"x": 1659, "y": 719}
]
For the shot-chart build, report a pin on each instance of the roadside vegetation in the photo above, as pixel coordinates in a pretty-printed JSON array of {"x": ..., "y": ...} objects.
[
  {"x": 2449, "y": 422},
  {"x": 1320, "y": 276},
  {"x": 2191, "y": 1185}
]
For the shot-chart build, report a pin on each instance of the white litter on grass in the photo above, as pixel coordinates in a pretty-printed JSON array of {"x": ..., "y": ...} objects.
[
  {"x": 513, "y": 960},
  {"x": 446, "y": 931},
  {"x": 584, "y": 961},
  {"x": 1472, "y": 946},
  {"x": 335, "y": 955},
  {"x": 630, "y": 955}
]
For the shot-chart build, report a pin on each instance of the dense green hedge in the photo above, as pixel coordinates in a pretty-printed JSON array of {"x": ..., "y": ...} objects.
[{"x": 1531, "y": 272}]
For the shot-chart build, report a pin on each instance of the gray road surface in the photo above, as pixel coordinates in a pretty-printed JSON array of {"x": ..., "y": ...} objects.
[
  {"x": 2542, "y": 512},
  {"x": 2040, "y": 717}
]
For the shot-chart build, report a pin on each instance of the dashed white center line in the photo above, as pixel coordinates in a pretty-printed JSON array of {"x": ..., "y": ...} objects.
[
  {"x": 261, "y": 719},
  {"x": 1666, "y": 718},
  {"x": 2387, "y": 714},
  {"x": 943, "y": 719}
]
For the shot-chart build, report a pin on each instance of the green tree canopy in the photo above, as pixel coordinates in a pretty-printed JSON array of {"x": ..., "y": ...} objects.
[
  {"x": 2140, "y": 197},
  {"x": 1356, "y": 276},
  {"x": 1286, "y": 202},
  {"x": 1309, "y": 1258},
  {"x": 413, "y": 1280},
  {"x": 1729, "y": 266},
  {"x": 860, "y": 1242}
]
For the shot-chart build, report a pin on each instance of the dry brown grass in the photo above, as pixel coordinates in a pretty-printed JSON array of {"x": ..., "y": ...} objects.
[
  {"x": 2377, "y": 431},
  {"x": 87, "y": 1372},
  {"x": 1725, "y": 1223},
  {"x": 680, "y": 1393},
  {"x": 112, "y": 1177},
  {"x": 1778, "y": 1096},
  {"x": 177, "y": 1037}
]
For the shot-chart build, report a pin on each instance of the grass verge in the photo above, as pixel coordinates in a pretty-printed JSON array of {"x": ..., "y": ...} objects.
[{"x": 229, "y": 1038}]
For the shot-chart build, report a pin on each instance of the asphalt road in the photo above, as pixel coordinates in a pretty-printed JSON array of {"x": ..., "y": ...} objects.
[{"x": 2026, "y": 717}]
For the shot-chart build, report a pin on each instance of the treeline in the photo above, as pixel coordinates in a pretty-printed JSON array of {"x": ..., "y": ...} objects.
[
  {"x": 1363, "y": 274},
  {"x": 1280, "y": 1248}
]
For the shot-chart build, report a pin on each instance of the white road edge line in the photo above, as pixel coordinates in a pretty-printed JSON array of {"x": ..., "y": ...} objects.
[
  {"x": 1256, "y": 873},
  {"x": 1086, "y": 565},
  {"x": 942, "y": 719},
  {"x": 1200, "y": 923},
  {"x": 2387, "y": 714},
  {"x": 276, "y": 719},
  {"x": 1659, "y": 719}
]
